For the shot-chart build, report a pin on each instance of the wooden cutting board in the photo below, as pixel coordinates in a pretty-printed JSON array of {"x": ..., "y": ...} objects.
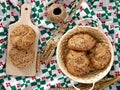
[{"x": 25, "y": 20}]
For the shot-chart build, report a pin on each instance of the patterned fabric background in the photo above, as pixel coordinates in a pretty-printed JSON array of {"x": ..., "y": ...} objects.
[{"x": 107, "y": 11}]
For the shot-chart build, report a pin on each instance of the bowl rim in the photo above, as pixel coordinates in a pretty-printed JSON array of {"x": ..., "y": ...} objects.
[{"x": 100, "y": 75}]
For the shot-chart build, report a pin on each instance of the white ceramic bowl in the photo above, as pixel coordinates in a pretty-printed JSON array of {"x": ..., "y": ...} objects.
[{"x": 92, "y": 78}]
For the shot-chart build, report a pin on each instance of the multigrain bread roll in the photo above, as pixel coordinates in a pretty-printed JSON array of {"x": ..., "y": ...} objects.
[
  {"x": 76, "y": 63},
  {"x": 81, "y": 42},
  {"x": 22, "y": 37},
  {"x": 100, "y": 56},
  {"x": 22, "y": 58}
]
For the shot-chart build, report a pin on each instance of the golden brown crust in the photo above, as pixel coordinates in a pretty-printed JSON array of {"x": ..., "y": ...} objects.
[
  {"x": 76, "y": 63},
  {"x": 22, "y": 58},
  {"x": 100, "y": 56},
  {"x": 22, "y": 37},
  {"x": 81, "y": 42}
]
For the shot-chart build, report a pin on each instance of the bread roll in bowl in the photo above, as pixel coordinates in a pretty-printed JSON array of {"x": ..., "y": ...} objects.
[{"x": 62, "y": 50}]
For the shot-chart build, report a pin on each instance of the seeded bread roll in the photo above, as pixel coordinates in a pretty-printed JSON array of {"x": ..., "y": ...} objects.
[
  {"x": 22, "y": 37},
  {"x": 76, "y": 63},
  {"x": 100, "y": 56},
  {"x": 81, "y": 42},
  {"x": 21, "y": 58}
]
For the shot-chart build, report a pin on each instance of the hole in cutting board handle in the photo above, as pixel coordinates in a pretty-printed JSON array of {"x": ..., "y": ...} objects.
[{"x": 26, "y": 8}]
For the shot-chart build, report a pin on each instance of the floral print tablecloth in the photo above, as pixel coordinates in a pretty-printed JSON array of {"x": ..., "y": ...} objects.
[{"x": 50, "y": 76}]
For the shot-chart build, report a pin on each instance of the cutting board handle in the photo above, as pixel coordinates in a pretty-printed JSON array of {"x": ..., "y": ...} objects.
[{"x": 25, "y": 13}]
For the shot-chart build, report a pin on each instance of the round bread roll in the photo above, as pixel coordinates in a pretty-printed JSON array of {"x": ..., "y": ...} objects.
[
  {"x": 22, "y": 58},
  {"x": 22, "y": 37},
  {"x": 76, "y": 63},
  {"x": 81, "y": 42},
  {"x": 100, "y": 56}
]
